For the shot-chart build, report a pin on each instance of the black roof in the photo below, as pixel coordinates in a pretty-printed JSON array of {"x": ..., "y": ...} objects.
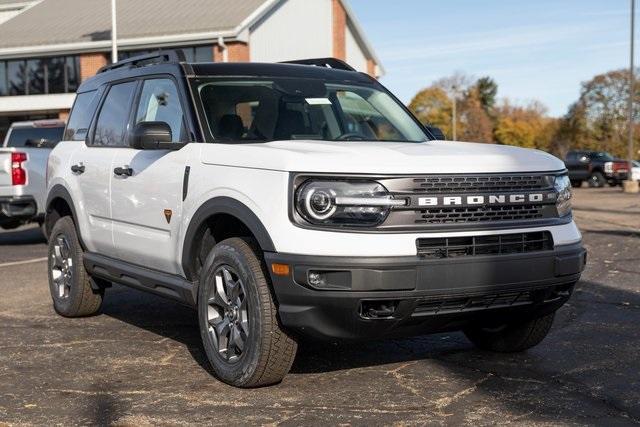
[{"x": 169, "y": 63}]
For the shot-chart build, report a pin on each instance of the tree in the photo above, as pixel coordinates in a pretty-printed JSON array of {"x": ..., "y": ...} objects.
[
  {"x": 433, "y": 107},
  {"x": 525, "y": 126},
  {"x": 599, "y": 119},
  {"x": 487, "y": 91},
  {"x": 475, "y": 123}
]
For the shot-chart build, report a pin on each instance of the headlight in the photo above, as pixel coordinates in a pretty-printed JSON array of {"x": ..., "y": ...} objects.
[
  {"x": 563, "y": 202},
  {"x": 346, "y": 203}
]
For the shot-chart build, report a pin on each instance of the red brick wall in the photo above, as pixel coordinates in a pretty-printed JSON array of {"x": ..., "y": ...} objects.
[
  {"x": 217, "y": 53},
  {"x": 90, "y": 63},
  {"x": 371, "y": 68},
  {"x": 339, "y": 30},
  {"x": 238, "y": 52}
]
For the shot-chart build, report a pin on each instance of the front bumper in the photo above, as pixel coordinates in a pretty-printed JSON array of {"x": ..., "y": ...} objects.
[
  {"x": 17, "y": 208},
  {"x": 377, "y": 296}
]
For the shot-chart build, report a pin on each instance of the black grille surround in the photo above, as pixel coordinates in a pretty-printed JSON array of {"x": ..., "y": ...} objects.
[
  {"x": 497, "y": 244},
  {"x": 540, "y": 211}
]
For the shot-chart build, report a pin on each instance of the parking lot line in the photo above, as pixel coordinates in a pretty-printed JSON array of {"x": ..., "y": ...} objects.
[{"x": 27, "y": 261}]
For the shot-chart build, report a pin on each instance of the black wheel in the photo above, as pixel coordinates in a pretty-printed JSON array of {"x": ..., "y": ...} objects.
[
  {"x": 69, "y": 282},
  {"x": 242, "y": 337},
  {"x": 597, "y": 180},
  {"x": 576, "y": 183},
  {"x": 513, "y": 337}
]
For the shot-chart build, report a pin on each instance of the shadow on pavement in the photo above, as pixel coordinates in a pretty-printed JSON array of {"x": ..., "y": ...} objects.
[
  {"x": 620, "y": 233},
  {"x": 28, "y": 236},
  {"x": 566, "y": 378}
]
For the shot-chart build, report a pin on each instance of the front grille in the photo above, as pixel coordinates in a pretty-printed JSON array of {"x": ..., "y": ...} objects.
[
  {"x": 446, "y": 305},
  {"x": 453, "y": 209},
  {"x": 455, "y": 215},
  {"x": 463, "y": 304},
  {"x": 500, "y": 244},
  {"x": 456, "y": 184}
]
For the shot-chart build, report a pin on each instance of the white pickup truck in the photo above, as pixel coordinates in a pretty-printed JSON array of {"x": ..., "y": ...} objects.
[{"x": 23, "y": 164}]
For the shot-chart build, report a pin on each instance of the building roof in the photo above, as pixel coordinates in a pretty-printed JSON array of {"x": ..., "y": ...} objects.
[
  {"x": 51, "y": 27},
  {"x": 78, "y": 22}
]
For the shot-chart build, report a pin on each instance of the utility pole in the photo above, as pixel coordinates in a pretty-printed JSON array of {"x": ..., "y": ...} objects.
[
  {"x": 114, "y": 33},
  {"x": 631, "y": 186},
  {"x": 453, "y": 113}
]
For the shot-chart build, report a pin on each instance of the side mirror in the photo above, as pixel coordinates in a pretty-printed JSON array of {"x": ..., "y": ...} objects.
[
  {"x": 151, "y": 136},
  {"x": 436, "y": 132}
]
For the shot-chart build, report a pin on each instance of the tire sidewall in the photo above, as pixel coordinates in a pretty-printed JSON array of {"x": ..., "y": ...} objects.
[
  {"x": 66, "y": 227},
  {"x": 597, "y": 180},
  {"x": 241, "y": 371}
]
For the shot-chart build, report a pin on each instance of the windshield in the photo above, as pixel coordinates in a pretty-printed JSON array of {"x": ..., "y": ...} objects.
[
  {"x": 603, "y": 156},
  {"x": 33, "y": 136},
  {"x": 258, "y": 110}
]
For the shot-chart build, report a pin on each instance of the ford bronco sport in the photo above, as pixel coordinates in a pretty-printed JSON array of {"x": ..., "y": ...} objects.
[{"x": 300, "y": 199}]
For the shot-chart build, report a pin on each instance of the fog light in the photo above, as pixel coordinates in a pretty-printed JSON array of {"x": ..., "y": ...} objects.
[{"x": 317, "y": 279}]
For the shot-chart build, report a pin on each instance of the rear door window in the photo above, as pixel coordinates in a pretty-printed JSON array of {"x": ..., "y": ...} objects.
[
  {"x": 113, "y": 118},
  {"x": 81, "y": 115},
  {"x": 34, "y": 137}
]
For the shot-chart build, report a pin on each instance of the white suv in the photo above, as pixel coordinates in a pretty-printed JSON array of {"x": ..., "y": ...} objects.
[{"x": 283, "y": 200}]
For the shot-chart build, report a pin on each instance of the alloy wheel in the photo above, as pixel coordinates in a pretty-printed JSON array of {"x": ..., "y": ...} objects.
[
  {"x": 62, "y": 266},
  {"x": 227, "y": 314}
]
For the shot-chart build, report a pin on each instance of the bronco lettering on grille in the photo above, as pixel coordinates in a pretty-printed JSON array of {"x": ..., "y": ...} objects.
[{"x": 486, "y": 199}]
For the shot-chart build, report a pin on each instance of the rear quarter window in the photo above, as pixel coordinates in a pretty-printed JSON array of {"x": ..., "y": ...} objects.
[
  {"x": 81, "y": 114},
  {"x": 34, "y": 137}
]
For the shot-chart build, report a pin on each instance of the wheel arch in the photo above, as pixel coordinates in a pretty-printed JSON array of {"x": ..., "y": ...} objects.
[
  {"x": 59, "y": 204},
  {"x": 219, "y": 207}
]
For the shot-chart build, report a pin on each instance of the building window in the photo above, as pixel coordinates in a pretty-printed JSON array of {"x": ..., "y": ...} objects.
[
  {"x": 40, "y": 76},
  {"x": 191, "y": 53}
]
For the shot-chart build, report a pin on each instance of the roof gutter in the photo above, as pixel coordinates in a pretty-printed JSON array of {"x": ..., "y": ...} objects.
[{"x": 102, "y": 45}]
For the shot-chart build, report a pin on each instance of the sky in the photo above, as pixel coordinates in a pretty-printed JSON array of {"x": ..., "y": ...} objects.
[{"x": 539, "y": 50}]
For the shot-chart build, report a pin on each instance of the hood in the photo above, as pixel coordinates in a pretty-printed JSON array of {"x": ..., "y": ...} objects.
[{"x": 376, "y": 157}]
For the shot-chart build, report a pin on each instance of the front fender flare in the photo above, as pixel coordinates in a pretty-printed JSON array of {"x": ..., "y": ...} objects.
[{"x": 222, "y": 205}]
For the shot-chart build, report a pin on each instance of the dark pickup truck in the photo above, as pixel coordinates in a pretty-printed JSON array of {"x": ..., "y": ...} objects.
[{"x": 598, "y": 168}]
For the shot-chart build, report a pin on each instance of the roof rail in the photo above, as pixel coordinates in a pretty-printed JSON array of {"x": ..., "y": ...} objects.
[
  {"x": 323, "y": 62},
  {"x": 158, "y": 57}
]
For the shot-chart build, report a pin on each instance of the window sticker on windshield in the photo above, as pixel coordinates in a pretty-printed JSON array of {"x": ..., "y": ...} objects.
[{"x": 318, "y": 101}]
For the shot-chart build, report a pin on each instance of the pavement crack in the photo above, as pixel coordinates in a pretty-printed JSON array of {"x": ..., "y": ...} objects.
[{"x": 444, "y": 402}]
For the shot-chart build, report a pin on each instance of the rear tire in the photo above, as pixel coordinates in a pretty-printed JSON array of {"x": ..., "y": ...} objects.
[
  {"x": 244, "y": 342},
  {"x": 69, "y": 282},
  {"x": 597, "y": 180},
  {"x": 512, "y": 337}
]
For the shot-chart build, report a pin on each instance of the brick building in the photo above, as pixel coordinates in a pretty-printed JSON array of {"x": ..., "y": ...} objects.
[{"x": 48, "y": 47}]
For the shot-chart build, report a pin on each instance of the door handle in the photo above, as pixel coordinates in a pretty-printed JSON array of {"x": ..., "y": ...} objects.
[
  {"x": 123, "y": 171},
  {"x": 77, "y": 169}
]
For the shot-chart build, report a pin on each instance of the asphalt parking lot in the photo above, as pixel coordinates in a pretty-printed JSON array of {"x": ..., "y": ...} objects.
[{"x": 141, "y": 362}]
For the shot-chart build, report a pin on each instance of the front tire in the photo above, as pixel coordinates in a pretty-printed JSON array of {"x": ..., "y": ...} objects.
[
  {"x": 511, "y": 337},
  {"x": 69, "y": 282},
  {"x": 242, "y": 337},
  {"x": 597, "y": 180}
]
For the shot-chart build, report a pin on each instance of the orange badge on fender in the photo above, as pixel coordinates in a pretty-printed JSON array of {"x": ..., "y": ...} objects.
[{"x": 167, "y": 215}]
